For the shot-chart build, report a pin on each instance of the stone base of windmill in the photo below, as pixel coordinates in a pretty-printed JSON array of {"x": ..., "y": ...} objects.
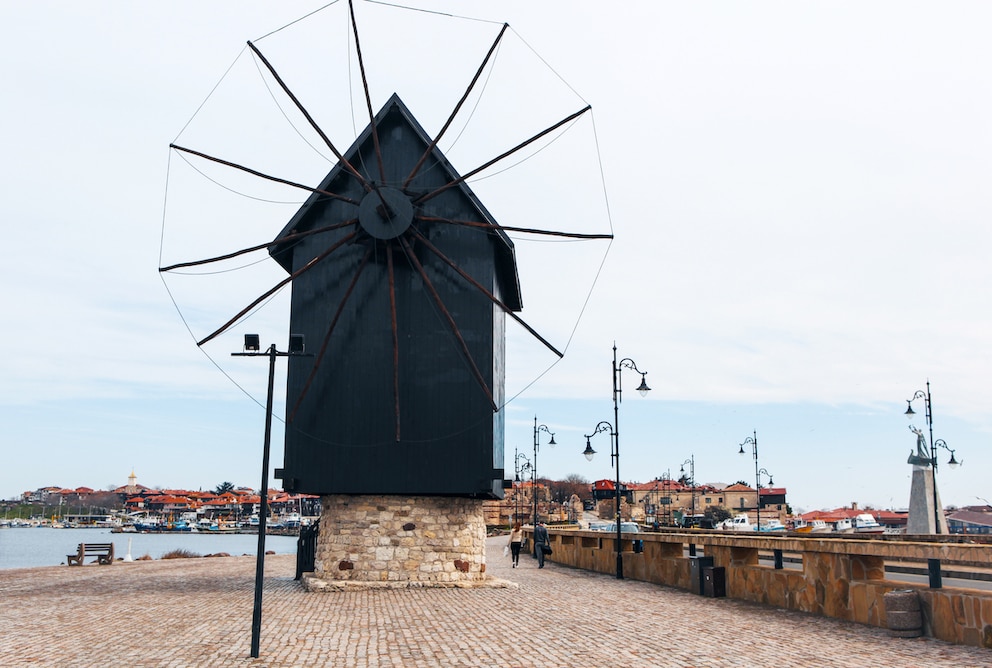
[{"x": 393, "y": 542}]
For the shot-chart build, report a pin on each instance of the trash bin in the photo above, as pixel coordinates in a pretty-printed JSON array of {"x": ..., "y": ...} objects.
[
  {"x": 715, "y": 581},
  {"x": 902, "y": 613},
  {"x": 696, "y": 566}
]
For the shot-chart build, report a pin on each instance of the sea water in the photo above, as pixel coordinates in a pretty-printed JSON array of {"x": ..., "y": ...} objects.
[{"x": 27, "y": 547}]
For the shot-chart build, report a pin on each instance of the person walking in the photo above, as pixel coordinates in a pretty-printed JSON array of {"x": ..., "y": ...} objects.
[
  {"x": 516, "y": 538},
  {"x": 541, "y": 540}
]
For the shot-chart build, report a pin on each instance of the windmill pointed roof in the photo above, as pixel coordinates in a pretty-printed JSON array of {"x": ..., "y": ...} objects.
[{"x": 393, "y": 114}]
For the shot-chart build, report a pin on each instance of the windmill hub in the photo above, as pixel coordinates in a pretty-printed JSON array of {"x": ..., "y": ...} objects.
[{"x": 385, "y": 213}]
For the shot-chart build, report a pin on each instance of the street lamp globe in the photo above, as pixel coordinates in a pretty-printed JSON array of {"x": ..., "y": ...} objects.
[
  {"x": 953, "y": 463},
  {"x": 589, "y": 452}
]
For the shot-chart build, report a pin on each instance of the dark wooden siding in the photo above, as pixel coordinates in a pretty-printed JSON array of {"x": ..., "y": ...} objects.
[{"x": 343, "y": 436}]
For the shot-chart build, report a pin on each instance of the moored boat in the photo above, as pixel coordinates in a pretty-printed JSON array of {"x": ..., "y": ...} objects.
[
  {"x": 737, "y": 523},
  {"x": 772, "y": 525},
  {"x": 812, "y": 526},
  {"x": 866, "y": 523}
]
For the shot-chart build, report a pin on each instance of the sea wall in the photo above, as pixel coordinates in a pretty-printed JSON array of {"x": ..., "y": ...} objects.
[{"x": 835, "y": 577}]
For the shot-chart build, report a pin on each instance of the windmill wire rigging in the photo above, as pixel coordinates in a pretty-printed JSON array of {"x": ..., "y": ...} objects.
[
  {"x": 482, "y": 92},
  {"x": 602, "y": 175},
  {"x": 561, "y": 127},
  {"x": 210, "y": 94},
  {"x": 182, "y": 316},
  {"x": 219, "y": 271},
  {"x": 299, "y": 133},
  {"x": 558, "y": 135},
  {"x": 548, "y": 65},
  {"x": 302, "y": 18},
  {"x": 430, "y": 11},
  {"x": 232, "y": 190}
]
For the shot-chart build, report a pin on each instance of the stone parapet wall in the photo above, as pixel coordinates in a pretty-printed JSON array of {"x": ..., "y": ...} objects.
[
  {"x": 403, "y": 540},
  {"x": 839, "y": 577}
]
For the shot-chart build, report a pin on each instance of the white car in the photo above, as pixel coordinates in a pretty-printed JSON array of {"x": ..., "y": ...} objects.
[{"x": 625, "y": 527}]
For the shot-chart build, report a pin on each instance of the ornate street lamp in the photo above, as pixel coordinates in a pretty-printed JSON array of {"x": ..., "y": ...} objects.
[
  {"x": 518, "y": 470},
  {"x": 771, "y": 482},
  {"x": 537, "y": 446},
  {"x": 692, "y": 480},
  {"x": 614, "y": 461},
  {"x": 929, "y": 451},
  {"x": 666, "y": 482},
  {"x": 643, "y": 389},
  {"x": 753, "y": 441}
]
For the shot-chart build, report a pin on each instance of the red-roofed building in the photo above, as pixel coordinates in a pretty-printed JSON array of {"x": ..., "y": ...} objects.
[{"x": 888, "y": 518}]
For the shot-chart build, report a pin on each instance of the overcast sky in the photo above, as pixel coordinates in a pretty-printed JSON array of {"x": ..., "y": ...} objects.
[{"x": 798, "y": 191}]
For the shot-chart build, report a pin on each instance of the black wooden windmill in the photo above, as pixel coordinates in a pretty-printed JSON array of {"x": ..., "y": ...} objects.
[{"x": 401, "y": 281}]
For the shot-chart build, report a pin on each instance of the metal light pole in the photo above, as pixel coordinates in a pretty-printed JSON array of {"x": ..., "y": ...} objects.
[
  {"x": 296, "y": 347},
  {"x": 763, "y": 471},
  {"x": 615, "y": 460},
  {"x": 666, "y": 482},
  {"x": 643, "y": 389},
  {"x": 533, "y": 487},
  {"x": 518, "y": 469},
  {"x": 753, "y": 440},
  {"x": 692, "y": 479},
  {"x": 939, "y": 443}
]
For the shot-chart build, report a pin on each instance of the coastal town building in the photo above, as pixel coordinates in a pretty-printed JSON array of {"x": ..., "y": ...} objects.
[{"x": 136, "y": 499}]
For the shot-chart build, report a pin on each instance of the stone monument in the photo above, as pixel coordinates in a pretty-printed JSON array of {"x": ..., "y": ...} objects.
[{"x": 926, "y": 514}]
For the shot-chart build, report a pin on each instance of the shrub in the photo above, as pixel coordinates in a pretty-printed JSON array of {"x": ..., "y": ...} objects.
[{"x": 180, "y": 554}]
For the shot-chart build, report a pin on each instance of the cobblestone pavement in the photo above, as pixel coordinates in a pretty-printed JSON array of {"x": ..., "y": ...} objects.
[{"x": 197, "y": 612}]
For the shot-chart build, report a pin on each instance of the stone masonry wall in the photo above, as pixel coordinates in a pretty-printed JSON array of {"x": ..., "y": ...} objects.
[
  {"x": 841, "y": 577},
  {"x": 429, "y": 540}
]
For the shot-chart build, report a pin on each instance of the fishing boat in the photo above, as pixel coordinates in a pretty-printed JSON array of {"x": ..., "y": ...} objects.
[
  {"x": 812, "y": 526},
  {"x": 866, "y": 523},
  {"x": 737, "y": 523}
]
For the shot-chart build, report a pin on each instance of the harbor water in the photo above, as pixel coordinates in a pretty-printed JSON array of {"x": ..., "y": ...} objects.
[{"x": 28, "y": 547}]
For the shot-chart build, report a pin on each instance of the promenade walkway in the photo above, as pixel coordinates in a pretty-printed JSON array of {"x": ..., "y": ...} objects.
[{"x": 197, "y": 612}]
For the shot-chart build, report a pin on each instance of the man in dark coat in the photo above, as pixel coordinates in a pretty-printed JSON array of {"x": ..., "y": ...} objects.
[{"x": 540, "y": 540}]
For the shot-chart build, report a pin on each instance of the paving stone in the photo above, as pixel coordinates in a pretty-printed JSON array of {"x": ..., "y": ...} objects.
[{"x": 197, "y": 612}]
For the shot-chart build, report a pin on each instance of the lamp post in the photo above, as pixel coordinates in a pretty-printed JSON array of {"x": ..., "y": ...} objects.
[
  {"x": 666, "y": 482},
  {"x": 651, "y": 504},
  {"x": 518, "y": 469},
  {"x": 931, "y": 450},
  {"x": 692, "y": 480},
  {"x": 252, "y": 349},
  {"x": 753, "y": 441},
  {"x": 642, "y": 389},
  {"x": 537, "y": 446},
  {"x": 761, "y": 472},
  {"x": 615, "y": 461}
]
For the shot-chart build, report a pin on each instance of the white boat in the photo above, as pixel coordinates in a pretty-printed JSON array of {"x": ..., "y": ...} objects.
[
  {"x": 773, "y": 525},
  {"x": 843, "y": 526},
  {"x": 866, "y": 523},
  {"x": 819, "y": 526},
  {"x": 812, "y": 526},
  {"x": 737, "y": 523}
]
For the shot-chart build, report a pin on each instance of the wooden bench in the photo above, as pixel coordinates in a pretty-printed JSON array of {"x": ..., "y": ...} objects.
[{"x": 104, "y": 553}]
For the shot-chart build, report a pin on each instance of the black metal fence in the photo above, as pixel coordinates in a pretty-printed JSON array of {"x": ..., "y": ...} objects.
[{"x": 306, "y": 549}]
